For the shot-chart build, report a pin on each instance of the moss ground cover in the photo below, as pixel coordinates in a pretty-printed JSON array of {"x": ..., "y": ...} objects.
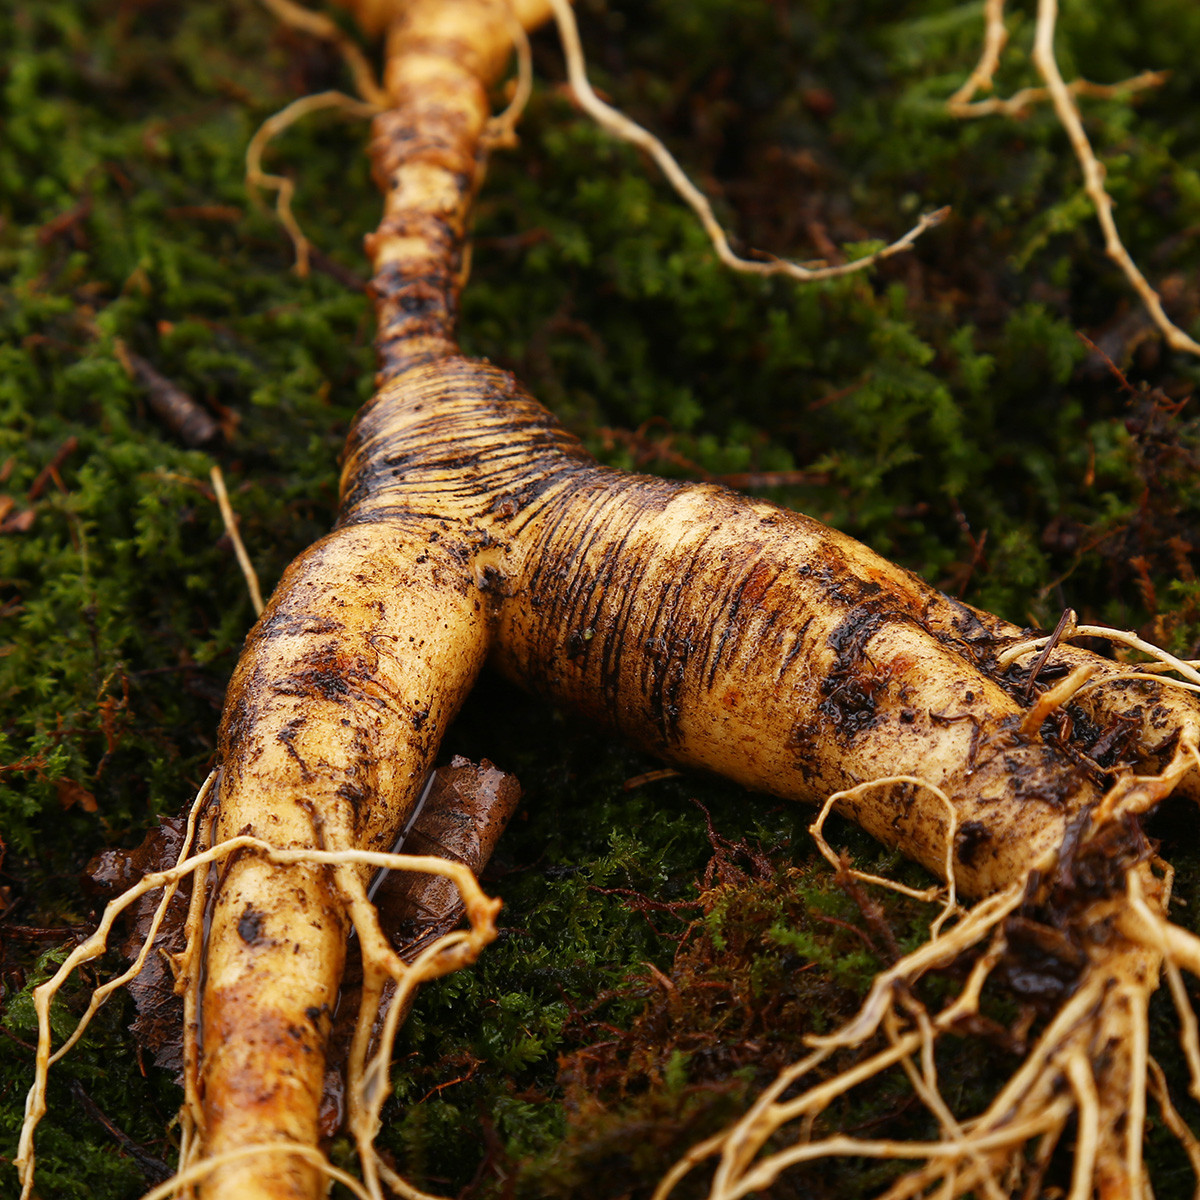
[{"x": 655, "y": 968}]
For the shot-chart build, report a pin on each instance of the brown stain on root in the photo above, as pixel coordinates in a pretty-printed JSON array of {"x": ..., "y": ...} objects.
[{"x": 636, "y": 600}]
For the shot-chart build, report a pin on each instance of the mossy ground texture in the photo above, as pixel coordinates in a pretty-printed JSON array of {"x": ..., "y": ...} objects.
[{"x": 666, "y": 946}]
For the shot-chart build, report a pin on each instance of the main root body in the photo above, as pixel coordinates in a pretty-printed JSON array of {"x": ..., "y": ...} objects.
[{"x": 716, "y": 631}]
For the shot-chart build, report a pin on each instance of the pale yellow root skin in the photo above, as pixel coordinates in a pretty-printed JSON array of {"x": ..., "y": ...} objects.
[
  {"x": 397, "y": 658},
  {"x": 742, "y": 721},
  {"x": 377, "y": 15},
  {"x": 347, "y": 684}
]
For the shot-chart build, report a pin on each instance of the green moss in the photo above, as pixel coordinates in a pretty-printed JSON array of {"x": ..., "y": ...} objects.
[{"x": 941, "y": 408}]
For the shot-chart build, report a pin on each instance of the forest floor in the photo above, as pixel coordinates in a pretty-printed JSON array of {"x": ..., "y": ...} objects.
[{"x": 667, "y": 942}]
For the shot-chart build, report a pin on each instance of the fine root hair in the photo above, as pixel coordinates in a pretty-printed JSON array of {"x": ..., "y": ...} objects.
[
  {"x": 1062, "y": 96},
  {"x": 627, "y": 130},
  {"x": 389, "y": 985},
  {"x": 1088, "y": 1073}
]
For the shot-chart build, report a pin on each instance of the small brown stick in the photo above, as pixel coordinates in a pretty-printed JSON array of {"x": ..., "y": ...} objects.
[
  {"x": 1066, "y": 624},
  {"x": 1093, "y": 176},
  {"x": 230, "y": 520},
  {"x": 67, "y": 222},
  {"x": 50, "y": 470},
  {"x": 622, "y": 127},
  {"x": 153, "y": 1168},
  {"x": 1124, "y": 636},
  {"x": 637, "y": 781},
  {"x": 169, "y": 403}
]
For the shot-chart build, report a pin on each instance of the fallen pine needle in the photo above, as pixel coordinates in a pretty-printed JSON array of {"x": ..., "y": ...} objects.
[{"x": 230, "y": 520}]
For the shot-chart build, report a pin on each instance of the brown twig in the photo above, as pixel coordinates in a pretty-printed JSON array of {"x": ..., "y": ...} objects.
[
  {"x": 1065, "y": 623},
  {"x": 153, "y": 1168},
  {"x": 637, "y": 781},
  {"x": 50, "y": 471},
  {"x": 170, "y": 404}
]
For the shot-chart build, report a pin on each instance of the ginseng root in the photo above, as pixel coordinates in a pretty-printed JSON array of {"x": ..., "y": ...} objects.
[{"x": 717, "y": 631}]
